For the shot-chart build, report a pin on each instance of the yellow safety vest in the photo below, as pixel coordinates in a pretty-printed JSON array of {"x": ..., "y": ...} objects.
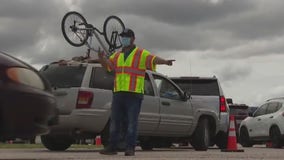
[{"x": 130, "y": 72}]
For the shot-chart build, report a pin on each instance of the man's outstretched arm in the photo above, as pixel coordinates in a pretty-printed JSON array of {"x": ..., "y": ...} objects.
[
  {"x": 103, "y": 60},
  {"x": 159, "y": 60}
]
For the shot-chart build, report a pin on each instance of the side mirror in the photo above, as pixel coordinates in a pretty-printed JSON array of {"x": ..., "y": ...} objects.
[{"x": 186, "y": 96}]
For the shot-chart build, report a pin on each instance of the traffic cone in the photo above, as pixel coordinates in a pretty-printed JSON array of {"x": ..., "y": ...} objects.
[
  {"x": 98, "y": 140},
  {"x": 232, "y": 139}
]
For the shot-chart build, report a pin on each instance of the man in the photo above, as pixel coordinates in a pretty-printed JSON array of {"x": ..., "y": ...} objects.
[{"x": 129, "y": 66}]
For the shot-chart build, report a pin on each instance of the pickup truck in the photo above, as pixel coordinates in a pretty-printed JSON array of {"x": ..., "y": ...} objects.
[
  {"x": 84, "y": 92},
  {"x": 207, "y": 97}
]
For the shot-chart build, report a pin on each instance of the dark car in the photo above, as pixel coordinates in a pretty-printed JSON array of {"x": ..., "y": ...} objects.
[
  {"x": 240, "y": 112},
  {"x": 27, "y": 107}
]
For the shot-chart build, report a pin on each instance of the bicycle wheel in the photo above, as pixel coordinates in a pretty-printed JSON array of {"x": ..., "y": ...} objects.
[
  {"x": 73, "y": 26},
  {"x": 113, "y": 26}
]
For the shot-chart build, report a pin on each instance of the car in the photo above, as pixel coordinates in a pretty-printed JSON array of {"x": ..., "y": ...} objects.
[
  {"x": 240, "y": 112},
  {"x": 27, "y": 106},
  {"x": 264, "y": 125},
  {"x": 206, "y": 94}
]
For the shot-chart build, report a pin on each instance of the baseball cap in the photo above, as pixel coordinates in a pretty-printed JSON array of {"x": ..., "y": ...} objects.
[{"x": 127, "y": 33}]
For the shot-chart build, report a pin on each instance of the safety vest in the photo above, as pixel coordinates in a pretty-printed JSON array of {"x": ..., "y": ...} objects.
[{"x": 130, "y": 72}]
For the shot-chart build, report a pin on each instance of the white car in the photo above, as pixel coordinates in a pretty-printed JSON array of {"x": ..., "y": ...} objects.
[{"x": 266, "y": 124}]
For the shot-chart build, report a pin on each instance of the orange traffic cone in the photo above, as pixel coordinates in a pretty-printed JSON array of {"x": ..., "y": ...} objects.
[
  {"x": 98, "y": 140},
  {"x": 232, "y": 139}
]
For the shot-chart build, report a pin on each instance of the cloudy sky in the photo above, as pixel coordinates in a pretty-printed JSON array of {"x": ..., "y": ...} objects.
[{"x": 239, "y": 41}]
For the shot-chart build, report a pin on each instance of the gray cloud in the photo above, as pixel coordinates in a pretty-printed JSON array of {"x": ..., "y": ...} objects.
[
  {"x": 232, "y": 72},
  {"x": 181, "y": 12},
  {"x": 25, "y": 23},
  {"x": 184, "y": 25},
  {"x": 181, "y": 25}
]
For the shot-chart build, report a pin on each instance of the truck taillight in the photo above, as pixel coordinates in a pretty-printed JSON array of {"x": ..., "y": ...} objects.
[
  {"x": 84, "y": 99},
  {"x": 223, "y": 107}
]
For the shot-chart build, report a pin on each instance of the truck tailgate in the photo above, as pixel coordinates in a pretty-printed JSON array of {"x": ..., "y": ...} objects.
[{"x": 66, "y": 99}]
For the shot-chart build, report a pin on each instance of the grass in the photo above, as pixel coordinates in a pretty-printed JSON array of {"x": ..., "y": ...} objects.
[{"x": 19, "y": 145}]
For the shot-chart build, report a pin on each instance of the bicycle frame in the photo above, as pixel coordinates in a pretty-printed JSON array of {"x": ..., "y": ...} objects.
[{"x": 93, "y": 31}]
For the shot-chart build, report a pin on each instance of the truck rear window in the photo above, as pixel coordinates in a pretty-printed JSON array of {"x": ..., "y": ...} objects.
[
  {"x": 102, "y": 79},
  {"x": 199, "y": 87},
  {"x": 64, "y": 76},
  {"x": 239, "y": 111}
]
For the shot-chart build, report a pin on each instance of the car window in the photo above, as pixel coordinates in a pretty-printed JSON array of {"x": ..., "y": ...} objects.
[
  {"x": 101, "y": 79},
  {"x": 199, "y": 87},
  {"x": 252, "y": 109},
  {"x": 272, "y": 107},
  {"x": 238, "y": 111},
  {"x": 261, "y": 110},
  {"x": 148, "y": 88},
  {"x": 166, "y": 88},
  {"x": 63, "y": 76}
]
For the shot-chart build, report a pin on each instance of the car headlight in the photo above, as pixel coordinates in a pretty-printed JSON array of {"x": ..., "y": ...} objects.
[{"x": 25, "y": 76}]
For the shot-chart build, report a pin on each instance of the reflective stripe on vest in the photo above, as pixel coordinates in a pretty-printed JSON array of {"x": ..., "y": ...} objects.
[
  {"x": 128, "y": 75},
  {"x": 135, "y": 64},
  {"x": 148, "y": 63},
  {"x": 114, "y": 65}
]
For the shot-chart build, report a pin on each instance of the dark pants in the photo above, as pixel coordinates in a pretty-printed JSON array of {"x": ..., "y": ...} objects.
[{"x": 125, "y": 109}]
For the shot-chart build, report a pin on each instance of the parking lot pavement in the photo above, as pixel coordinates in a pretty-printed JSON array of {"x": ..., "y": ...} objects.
[{"x": 255, "y": 153}]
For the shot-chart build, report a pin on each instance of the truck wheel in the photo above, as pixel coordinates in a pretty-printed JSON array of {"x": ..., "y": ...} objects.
[
  {"x": 244, "y": 138},
  {"x": 32, "y": 140},
  {"x": 201, "y": 136},
  {"x": 146, "y": 144},
  {"x": 57, "y": 142},
  {"x": 221, "y": 140}
]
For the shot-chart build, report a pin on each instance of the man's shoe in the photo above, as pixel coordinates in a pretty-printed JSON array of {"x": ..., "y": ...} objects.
[
  {"x": 108, "y": 151},
  {"x": 129, "y": 152}
]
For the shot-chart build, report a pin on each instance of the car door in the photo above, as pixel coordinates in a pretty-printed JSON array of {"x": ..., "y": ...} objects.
[
  {"x": 149, "y": 115},
  {"x": 176, "y": 113},
  {"x": 268, "y": 119},
  {"x": 255, "y": 125}
]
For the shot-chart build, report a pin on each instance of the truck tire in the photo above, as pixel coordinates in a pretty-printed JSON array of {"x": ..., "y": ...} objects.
[
  {"x": 201, "y": 136},
  {"x": 146, "y": 144},
  {"x": 221, "y": 140},
  {"x": 57, "y": 142}
]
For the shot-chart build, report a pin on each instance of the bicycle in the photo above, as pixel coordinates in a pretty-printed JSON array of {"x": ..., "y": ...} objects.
[{"x": 77, "y": 31}]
